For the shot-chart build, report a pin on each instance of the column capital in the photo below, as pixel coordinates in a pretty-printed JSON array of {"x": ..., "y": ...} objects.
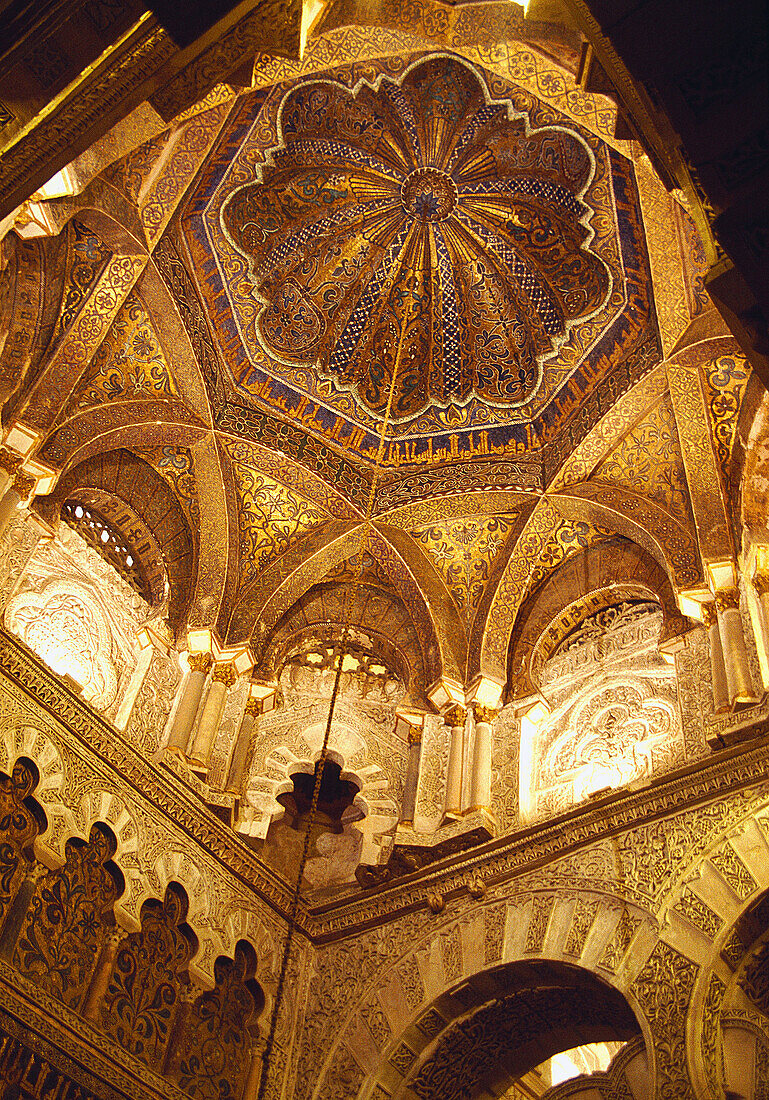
[
  {"x": 727, "y": 599},
  {"x": 709, "y": 614},
  {"x": 414, "y": 735},
  {"x": 455, "y": 716},
  {"x": 760, "y": 581},
  {"x": 115, "y": 937},
  {"x": 253, "y": 706},
  {"x": 200, "y": 662},
  {"x": 189, "y": 992},
  {"x": 24, "y": 484},
  {"x": 10, "y": 462},
  {"x": 225, "y": 674},
  {"x": 485, "y": 714}
]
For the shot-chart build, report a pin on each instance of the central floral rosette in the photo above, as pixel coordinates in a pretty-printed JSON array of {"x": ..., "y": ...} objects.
[{"x": 418, "y": 228}]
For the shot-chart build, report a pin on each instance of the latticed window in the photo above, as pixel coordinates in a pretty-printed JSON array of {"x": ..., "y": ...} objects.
[{"x": 108, "y": 541}]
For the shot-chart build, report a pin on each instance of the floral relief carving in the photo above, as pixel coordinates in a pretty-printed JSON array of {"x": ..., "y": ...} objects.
[
  {"x": 21, "y": 819},
  {"x": 215, "y": 1053},
  {"x": 141, "y": 998},
  {"x": 272, "y": 517},
  {"x": 129, "y": 364},
  {"x": 68, "y": 917},
  {"x": 581, "y": 923},
  {"x": 74, "y": 611},
  {"x": 464, "y": 553},
  {"x": 663, "y": 989}
]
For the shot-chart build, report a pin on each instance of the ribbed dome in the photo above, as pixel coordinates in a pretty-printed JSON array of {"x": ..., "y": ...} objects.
[{"x": 418, "y": 223}]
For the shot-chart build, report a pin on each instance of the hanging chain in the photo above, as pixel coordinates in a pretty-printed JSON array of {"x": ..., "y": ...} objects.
[{"x": 339, "y": 653}]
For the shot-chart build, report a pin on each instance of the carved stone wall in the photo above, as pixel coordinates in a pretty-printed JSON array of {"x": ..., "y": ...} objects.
[
  {"x": 363, "y": 741},
  {"x": 72, "y": 609},
  {"x": 614, "y": 714}
]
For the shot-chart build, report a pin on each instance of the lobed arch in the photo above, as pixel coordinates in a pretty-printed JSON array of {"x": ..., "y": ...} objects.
[
  {"x": 374, "y": 803},
  {"x": 147, "y": 866}
]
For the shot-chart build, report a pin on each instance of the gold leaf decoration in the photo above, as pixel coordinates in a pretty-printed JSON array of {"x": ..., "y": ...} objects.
[
  {"x": 648, "y": 461},
  {"x": 130, "y": 364},
  {"x": 271, "y": 518},
  {"x": 464, "y": 554}
]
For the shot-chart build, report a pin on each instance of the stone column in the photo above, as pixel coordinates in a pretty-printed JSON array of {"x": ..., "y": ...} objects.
[
  {"x": 480, "y": 793},
  {"x": 255, "y": 1069},
  {"x": 17, "y": 910},
  {"x": 9, "y": 465},
  {"x": 192, "y": 690},
  {"x": 761, "y": 585},
  {"x": 103, "y": 972},
  {"x": 738, "y": 679},
  {"x": 412, "y": 775},
  {"x": 455, "y": 719},
  {"x": 18, "y": 491},
  {"x": 717, "y": 668},
  {"x": 223, "y": 678},
  {"x": 240, "y": 752}
]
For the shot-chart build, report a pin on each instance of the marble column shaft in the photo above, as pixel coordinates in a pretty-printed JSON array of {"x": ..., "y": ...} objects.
[
  {"x": 223, "y": 678},
  {"x": 480, "y": 797},
  {"x": 738, "y": 677},
  {"x": 102, "y": 973},
  {"x": 411, "y": 780},
  {"x": 192, "y": 691},
  {"x": 717, "y": 667},
  {"x": 240, "y": 752},
  {"x": 455, "y": 719}
]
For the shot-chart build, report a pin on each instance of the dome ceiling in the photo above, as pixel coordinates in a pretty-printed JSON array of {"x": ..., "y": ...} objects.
[
  {"x": 414, "y": 227},
  {"x": 430, "y": 219}
]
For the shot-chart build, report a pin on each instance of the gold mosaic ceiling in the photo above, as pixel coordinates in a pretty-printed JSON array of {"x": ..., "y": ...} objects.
[{"x": 420, "y": 226}]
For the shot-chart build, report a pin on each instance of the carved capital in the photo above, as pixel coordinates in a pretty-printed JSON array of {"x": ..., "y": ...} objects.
[
  {"x": 709, "y": 615},
  {"x": 728, "y": 599},
  {"x": 253, "y": 706},
  {"x": 485, "y": 714},
  {"x": 115, "y": 937},
  {"x": 9, "y": 462},
  {"x": 225, "y": 674},
  {"x": 35, "y": 872},
  {"x": 414, "y": 735},
  {"x": 24, "y": 484},
  {"x": 454, "y": 717},
  {"x": 189, "y": 992},
  {"x": 761, "y": 582},
  {"x": 200, "y": 662}
]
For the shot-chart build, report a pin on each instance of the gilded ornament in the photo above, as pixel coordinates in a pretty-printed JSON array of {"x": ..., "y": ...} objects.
[
  {"x": 225, "y": 674},
  {"x": 200, "y": 662},
  {"x": 727, "y": 599}
]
